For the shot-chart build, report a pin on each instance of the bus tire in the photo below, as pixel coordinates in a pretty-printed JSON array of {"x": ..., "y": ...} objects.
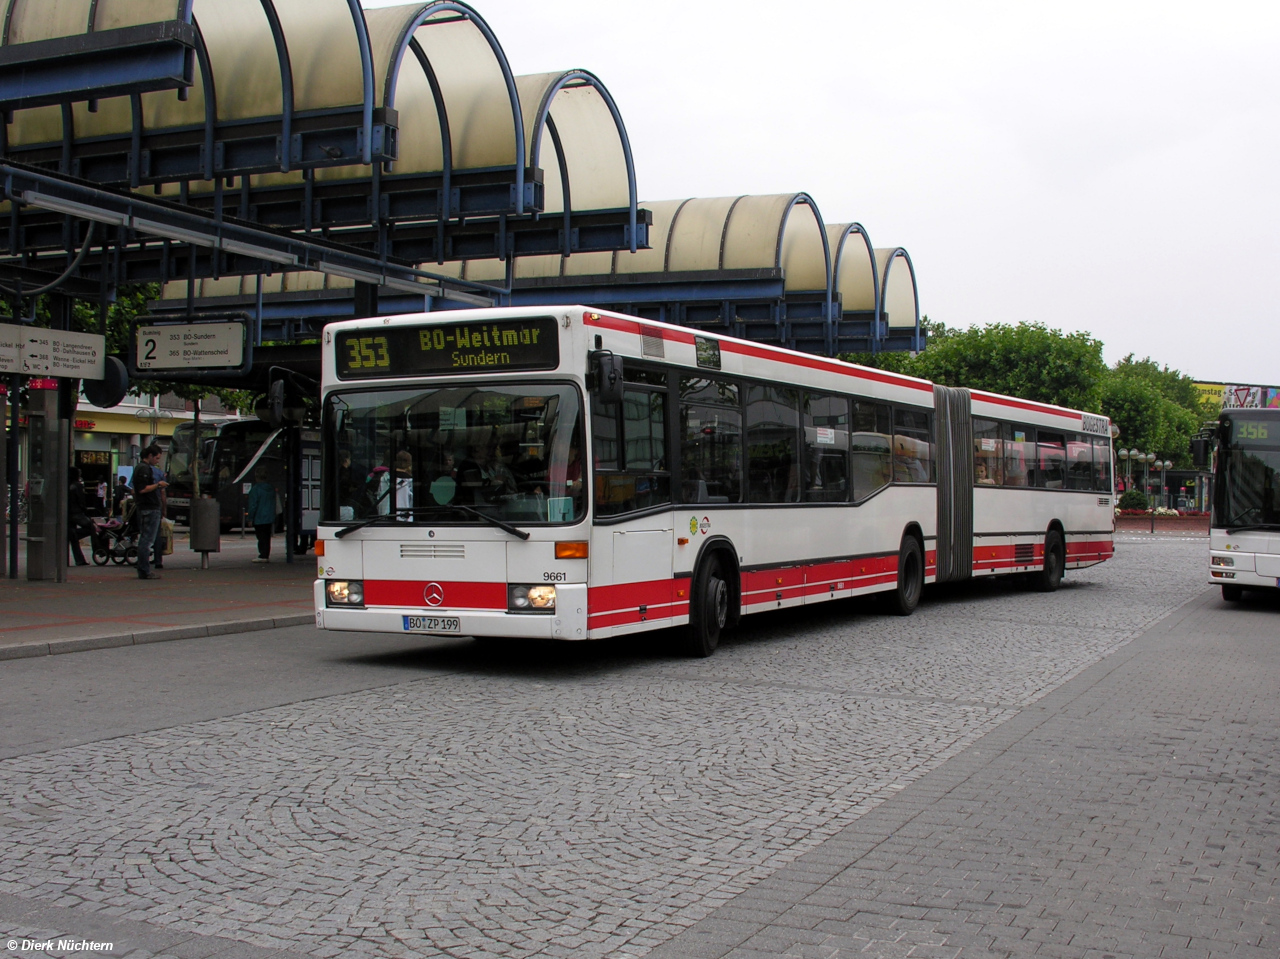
[
  {"x": 906, "y": 595},
  {"x": 1232, "y": 593},
  {"x": 709, "y": 609},
  {"x": 1050, "y": 576}
]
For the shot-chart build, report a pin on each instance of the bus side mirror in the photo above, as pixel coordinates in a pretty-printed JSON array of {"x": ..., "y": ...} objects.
[
  {"x": 606, "y": 384},
  {"x": 1201, "y": 447}
]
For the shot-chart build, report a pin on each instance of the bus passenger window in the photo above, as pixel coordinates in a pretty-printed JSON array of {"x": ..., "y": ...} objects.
[
  {"x": 1051, "y": 460},
  {"x": 773, "y": 454},
  {"x": 912, "y": 447},
  {"x": 872, "y": 445},
  {"x": 1101, "y": 464},
  {"x": 988, "y": 453},
  {"x": 604, "y": 435},
  {"x": 640, "y": 479},
  {"x": 1019, "y": 454},
  {"x": 1079, "y": 462},
  {"x": 826, "y": 448},
  {"x": 710, "y": 441}
]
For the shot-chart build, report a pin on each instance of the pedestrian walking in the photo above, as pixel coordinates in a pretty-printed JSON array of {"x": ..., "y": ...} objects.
[
  {"x": 262, "y": 512},
  {"x": 78, "y": 523},
  {"x": 147, "y": 483}
]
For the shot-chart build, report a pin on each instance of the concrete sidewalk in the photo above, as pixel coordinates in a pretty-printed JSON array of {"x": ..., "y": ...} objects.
[{"x": 101, "y": 606}]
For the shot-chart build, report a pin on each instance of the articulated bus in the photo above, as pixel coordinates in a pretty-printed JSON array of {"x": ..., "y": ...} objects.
[
  {"x": 1244, "y": 529},
  {"x": 574, "y": 474}
]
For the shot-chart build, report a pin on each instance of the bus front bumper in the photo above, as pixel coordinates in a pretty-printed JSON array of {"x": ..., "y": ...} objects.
[
  {"x": 568, "y": 622},
  {"x": 1236, "y": 568}
]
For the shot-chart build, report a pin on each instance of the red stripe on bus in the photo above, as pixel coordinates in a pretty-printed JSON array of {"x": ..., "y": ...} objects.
[
  {"x": 639, "y": 327},
  {"x": 981, "y": 397},
  {"x": 393, "y": 592}
]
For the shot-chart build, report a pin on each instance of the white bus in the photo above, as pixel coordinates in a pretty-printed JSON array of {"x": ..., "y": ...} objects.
[
  {"x": 566, "y": 473},
  {"x": 1244, "y": 529}
]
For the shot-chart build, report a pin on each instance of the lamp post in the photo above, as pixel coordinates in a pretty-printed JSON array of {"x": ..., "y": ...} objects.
[
  {"x": 1124, "y": 458},
  {"x": 1164, "y": 486}
]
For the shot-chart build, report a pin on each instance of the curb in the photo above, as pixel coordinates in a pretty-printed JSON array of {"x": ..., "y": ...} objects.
[{"x": 58, "y": 646}]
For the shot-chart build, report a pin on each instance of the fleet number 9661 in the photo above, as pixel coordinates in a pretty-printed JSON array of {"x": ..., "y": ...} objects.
[{"x": 554, "y": 577}]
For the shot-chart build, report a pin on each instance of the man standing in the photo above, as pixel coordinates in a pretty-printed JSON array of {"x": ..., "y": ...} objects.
[{"x": 147, "y": 484}]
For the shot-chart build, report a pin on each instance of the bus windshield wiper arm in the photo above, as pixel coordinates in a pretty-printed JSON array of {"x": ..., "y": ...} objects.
[
  {"x": 492, "y": 520},
  {"x": 398, "y": 516},
  {"x": 395, "y": 517}
]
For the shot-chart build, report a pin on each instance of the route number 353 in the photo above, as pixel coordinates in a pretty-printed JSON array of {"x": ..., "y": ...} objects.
[{"x": 368, "y": 352}]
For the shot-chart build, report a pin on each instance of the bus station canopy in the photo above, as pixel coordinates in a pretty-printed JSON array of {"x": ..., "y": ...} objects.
[
  {"x": 313, "y": 160},
  {"x": 767, "y": 263},
  {"x": 400, "y": 132}
]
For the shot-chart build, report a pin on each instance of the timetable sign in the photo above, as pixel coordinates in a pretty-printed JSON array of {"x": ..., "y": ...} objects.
[{"x": 191, "y": 346}]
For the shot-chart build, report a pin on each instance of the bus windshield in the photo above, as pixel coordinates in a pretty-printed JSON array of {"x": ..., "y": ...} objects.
[
  {"x": 1248, "y": 485},
  {"x": 512, "y": 452},
  {"x": 179, "y": 464}
]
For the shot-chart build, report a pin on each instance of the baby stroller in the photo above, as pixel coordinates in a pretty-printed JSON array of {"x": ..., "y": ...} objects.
[{"x": 116, "y": 540}]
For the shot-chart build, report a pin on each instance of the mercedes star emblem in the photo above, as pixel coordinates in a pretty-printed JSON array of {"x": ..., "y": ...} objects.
[{"x": 433, "y": 594}]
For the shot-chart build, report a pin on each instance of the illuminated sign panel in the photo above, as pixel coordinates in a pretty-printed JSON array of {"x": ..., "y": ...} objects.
[{"x": 487, "y": 346}]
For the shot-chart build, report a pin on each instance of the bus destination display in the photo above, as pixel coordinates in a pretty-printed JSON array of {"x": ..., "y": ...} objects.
[{"x": 492, "y": 346}]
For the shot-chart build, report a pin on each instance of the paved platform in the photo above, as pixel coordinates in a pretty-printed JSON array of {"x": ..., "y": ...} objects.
[
  {"x": 1132, "y": 812},
  {"x": 103, "y": 606}
]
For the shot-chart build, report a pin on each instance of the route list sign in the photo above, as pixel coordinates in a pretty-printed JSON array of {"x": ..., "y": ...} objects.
[
  {"x": 37, "y": 352},
  {"x": 191, "y": 346}
]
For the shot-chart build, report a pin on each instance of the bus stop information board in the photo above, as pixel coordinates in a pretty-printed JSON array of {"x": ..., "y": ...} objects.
[
  {"x": 191, "y": 346},
  {"x": 38, "y": 352},
  {"x": 442, "y": 348}
]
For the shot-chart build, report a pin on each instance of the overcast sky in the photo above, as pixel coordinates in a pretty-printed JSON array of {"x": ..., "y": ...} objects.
[{"x": 1107, "y": 167}]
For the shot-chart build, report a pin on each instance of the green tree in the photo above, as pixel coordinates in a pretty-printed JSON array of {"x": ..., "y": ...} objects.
[
  {"x": 1027, "y": 360},
  {"x": 1157, "y": 409}
]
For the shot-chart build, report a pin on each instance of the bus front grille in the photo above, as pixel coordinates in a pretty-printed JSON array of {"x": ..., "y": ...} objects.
[{"x": 433, "y": 551}]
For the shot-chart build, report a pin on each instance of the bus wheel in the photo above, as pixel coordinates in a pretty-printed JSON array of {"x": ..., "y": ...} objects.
[
  {"x": 1050, "y": 576},
  {"x": 906, "y": 595},
  {"x": 1232, "y": 593},
  {"x": 709, "y": 610}
]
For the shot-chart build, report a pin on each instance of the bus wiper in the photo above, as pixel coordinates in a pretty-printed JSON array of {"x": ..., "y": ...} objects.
[
  {"x": 396, "y": 517},
  {"x": 492, "y": 520}
]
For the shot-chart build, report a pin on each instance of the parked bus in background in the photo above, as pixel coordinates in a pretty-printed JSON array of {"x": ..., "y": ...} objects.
[
  {"x": 1244, "y": 529},
  {"x": 565, "y": 473},
  {"x": 228, "y": 454}
]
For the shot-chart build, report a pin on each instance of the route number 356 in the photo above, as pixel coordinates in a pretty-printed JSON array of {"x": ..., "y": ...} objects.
[{"x": 1251, "y": 430}]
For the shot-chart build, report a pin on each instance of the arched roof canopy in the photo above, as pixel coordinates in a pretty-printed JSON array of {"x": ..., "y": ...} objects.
[
  {"x": 855, "y": 272},
  {"x": 899, "y": 299}
]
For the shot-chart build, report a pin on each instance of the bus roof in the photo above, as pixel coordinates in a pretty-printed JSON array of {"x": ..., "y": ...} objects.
[{"x": 621, "y": 323}]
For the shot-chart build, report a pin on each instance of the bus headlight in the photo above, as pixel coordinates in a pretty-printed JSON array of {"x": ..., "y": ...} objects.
[
  {"x": 339, "y": 592},
  {"x": 531, "y": 599}
]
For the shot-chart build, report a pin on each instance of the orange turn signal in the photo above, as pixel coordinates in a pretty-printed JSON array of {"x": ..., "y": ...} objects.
[
  {"x": 319, "y": 547},
  {"x": 571, "y": 550},
  {"x": 682, "y": 540}
]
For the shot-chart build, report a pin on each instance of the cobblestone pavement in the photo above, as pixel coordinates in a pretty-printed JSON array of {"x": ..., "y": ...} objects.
[{"x": 569, "y": 802}]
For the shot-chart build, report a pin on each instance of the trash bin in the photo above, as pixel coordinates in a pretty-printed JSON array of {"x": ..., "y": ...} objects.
[{"x": 206, "y": 526}]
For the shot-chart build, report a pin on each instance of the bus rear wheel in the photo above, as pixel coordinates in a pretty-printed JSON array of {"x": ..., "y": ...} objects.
[
  {"x": 709, "y": 609},
  {"x": 906, "y": 595},
  {"x": 1232, "y": 593},
  {"x": 1050, "y": 576}
]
